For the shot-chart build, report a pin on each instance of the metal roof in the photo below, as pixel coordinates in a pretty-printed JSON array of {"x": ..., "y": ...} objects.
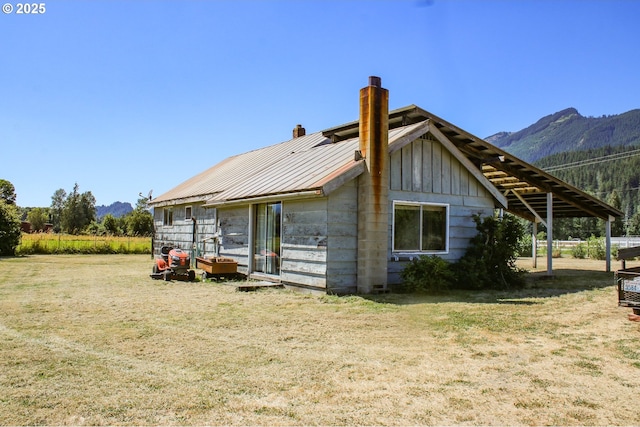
[
  {"x": 307, "y": 163},
  {"x": 318, "y": 162},
  {"x": 524, "y": 185}
]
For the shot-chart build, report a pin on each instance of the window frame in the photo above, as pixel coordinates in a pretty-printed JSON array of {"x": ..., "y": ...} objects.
[
  {"x": 167, "y": 217},
  {"x": 447, "y": 209},
  {"x": 188, "y": 213}
]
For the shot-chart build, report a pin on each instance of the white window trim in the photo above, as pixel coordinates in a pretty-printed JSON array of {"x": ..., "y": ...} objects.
[
  {"x": 188, "y": 218},
  {"x": 414, "y": 203}
]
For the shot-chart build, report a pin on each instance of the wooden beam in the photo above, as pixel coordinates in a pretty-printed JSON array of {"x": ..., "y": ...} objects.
[
  {"x": 533, "y": 211},
  {"x": 408, "y": 137},
  {"x": 451, "y": 147},
  {"x": 628, "y": 253}
]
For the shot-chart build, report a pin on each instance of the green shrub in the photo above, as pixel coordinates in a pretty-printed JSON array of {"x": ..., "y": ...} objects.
[
  {"x": 579, "y": 251},
  {"x": 596, "y": 248},
  {"x": 490, "y": 260},
  {"x": 427, "y": 274},
  {"x": 525, "y": 244}
]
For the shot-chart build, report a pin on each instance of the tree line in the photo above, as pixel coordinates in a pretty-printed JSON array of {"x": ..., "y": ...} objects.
[
  {"x": 72, "y": 213},
  {"x": 75, "y": 213}
]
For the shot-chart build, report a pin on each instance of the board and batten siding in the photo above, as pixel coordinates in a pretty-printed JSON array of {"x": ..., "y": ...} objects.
[
  {"x": 424, "y": 171},
  {"x": 180, "y": 233}
]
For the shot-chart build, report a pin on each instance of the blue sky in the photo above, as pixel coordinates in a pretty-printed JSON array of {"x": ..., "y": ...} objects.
[{"x": 127, "y": 96}]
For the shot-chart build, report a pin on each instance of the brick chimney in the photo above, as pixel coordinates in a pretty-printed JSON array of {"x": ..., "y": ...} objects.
[
  {"x": 373, "y": 189},
  {"x": 299, "y": 131}
]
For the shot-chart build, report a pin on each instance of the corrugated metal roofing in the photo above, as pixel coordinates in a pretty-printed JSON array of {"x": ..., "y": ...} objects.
[
  {"x": 235, "y": 170},
  {"x": 301, "y": 164},
  {"x": 310, "y": 162}
]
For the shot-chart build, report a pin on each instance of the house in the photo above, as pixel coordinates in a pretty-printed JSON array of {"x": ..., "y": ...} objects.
[{"x": 341, "y": 211}]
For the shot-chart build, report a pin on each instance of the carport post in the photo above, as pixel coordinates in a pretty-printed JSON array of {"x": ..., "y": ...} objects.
[
  {"x": 549, "y": 234},
  {"x": 608, "y": 242},
  {"x": 534, "y": 243}
]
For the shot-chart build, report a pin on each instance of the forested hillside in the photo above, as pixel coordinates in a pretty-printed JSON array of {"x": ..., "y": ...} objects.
[
  {"x": 598, "y": 155},
  {"x": 612, "y": 174},
  {"x": 600, "y": 172},
  {"x": 567, "y": 130}
]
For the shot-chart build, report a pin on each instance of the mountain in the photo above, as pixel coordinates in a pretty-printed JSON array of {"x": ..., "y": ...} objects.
[
  {"x": 117, "y": 209},
  {"x": 568, "y": 130}
]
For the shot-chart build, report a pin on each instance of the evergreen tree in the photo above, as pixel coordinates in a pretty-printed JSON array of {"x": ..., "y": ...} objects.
[{"x": 617, "y": 227}]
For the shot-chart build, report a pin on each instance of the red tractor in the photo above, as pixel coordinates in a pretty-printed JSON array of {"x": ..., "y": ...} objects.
[{"x": 173, "y": 263}]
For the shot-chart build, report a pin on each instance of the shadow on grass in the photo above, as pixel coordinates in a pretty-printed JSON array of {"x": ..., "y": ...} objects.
[{"x": 538, "y": 285}]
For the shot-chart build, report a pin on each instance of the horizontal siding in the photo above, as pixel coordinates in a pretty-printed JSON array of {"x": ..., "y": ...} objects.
[
  {"x": 342, "y": 259},
  {"x": 304, "y": 243},
  {"x": 303, "y": 279},
  {"x": 180, "y": 234},
  {"x": 234, "y": 235}
]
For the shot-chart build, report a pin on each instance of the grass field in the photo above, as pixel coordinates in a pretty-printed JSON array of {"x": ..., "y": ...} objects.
[
  {"x": 92, "y": 340},
  {"x": 50, "y": 243}
]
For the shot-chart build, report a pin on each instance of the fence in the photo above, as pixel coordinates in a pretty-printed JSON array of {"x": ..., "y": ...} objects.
[{"x": 620, "y": 242}]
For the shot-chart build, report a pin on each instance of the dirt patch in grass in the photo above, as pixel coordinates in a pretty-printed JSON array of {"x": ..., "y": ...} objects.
[{"x": 88, "y": 340}]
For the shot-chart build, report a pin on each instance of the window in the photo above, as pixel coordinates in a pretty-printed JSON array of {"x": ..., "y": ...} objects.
[
  {"x": 168, "y": 216},
  {"x": 187, "y": 213},
  {"x": 420, "y": 227}
]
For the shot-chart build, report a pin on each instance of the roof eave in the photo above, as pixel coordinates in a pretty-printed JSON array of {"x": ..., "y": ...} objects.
[{"x": 265, "y": 198}]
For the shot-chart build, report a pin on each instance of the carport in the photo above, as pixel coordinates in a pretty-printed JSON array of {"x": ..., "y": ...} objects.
[{"x": 531, "y": 193}]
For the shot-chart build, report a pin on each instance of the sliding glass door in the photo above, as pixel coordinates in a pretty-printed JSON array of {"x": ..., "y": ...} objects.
[{"x": 266, "y": 246}]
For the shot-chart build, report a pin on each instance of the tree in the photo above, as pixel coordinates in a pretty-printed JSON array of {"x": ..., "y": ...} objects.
[
  {"x": 88, "y": 206},
  {"x": 71, "y": 220},
  {"x": 38, "y": 217},
  {"x": 110, "y": 224},
  {"x": 617, "y": 227},
  {"x": 140, "y": 221},
  {"x": 7, "y": 192},
  {"x": 9, "y": 228},
  {"x": 78, "y": 211},
  {"x": 57, "y": 207},
  {"x": 633, "y": 225}
]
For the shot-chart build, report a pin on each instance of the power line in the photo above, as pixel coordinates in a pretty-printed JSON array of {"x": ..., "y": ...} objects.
[{"x": 595, "y": 160}]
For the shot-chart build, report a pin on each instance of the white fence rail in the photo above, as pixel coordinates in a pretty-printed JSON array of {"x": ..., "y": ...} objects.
[{"x": 620, "y": 242}]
